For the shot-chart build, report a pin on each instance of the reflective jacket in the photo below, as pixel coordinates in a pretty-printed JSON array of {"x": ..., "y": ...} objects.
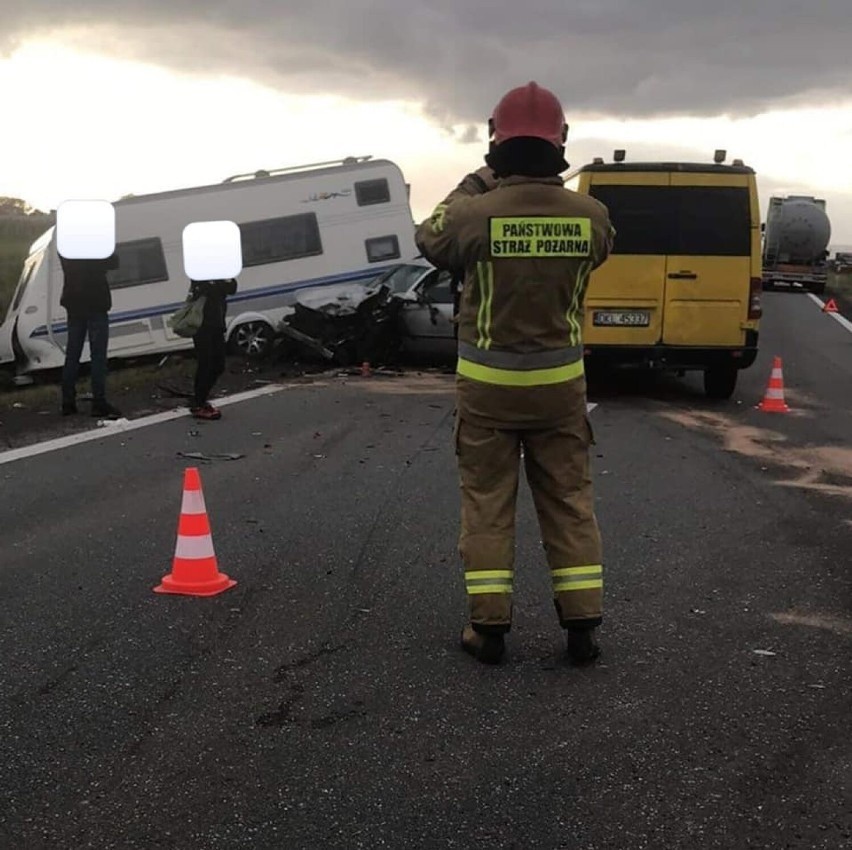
[{"x": 527, "y": 247}]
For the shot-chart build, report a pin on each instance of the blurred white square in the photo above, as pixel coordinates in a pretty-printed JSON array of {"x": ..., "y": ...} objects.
[
  {"x": 212, "y": 250},
  {"x": 85, "y": 230}
]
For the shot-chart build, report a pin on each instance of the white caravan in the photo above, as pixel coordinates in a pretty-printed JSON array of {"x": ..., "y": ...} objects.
[{"x": 311, "y": 226}]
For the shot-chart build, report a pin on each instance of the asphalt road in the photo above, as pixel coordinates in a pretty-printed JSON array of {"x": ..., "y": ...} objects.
[{"x": 323, "y": 703}]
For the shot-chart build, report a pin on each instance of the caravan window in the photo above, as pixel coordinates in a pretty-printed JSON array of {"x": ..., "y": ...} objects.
[
  {"x": 277, "y": 239},
  {"x": 140, "y": 262},
  {"x": 370, "y": 192},
  {"x": 382, "y": 248}
]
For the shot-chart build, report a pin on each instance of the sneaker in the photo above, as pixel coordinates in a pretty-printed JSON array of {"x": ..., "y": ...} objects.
[
  {"x": 102, "y": 410},
  {"x": 488, "y": 649},
  {"x": 581, "y": 646},
  {"x": 206, "y": 411},
  {"x": 69, "y": 408}
]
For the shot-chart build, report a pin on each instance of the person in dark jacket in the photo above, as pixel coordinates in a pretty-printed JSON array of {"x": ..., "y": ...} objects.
[
  {"x": 87, "y": 300},
  {"x": 209, "y": 342}
]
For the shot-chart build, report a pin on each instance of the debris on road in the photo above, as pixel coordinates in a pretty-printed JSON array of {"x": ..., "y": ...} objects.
[
  {"x": 765, "y": 652},
  {"x": 208, "y": 458}
]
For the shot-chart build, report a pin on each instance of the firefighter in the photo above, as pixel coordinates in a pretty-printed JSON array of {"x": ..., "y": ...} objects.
[{"x": 527, "y": 246}]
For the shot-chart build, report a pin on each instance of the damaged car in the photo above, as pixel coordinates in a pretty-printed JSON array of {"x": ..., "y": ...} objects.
[{"x": 407, "y": 311}]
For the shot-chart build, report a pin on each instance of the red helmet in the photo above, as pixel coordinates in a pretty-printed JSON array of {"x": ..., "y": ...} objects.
[{"x": 529, "y": 111}]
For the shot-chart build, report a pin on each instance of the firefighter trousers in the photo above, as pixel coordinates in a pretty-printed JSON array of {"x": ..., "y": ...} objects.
[{"x": 556, "y": 462}]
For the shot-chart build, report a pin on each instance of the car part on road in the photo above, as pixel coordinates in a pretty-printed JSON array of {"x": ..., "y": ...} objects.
[
  {"x": 207, "y": 458},
  {"x": 305, "y": 342}
]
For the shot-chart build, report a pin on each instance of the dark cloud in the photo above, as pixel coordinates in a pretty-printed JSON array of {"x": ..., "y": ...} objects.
[{"x": 624, "y": 57}]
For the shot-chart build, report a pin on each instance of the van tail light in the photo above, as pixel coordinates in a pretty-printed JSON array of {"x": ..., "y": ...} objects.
[{"x": 755, "y": 291}]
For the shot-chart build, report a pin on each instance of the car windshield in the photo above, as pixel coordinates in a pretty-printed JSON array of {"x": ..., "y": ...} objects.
[{"x": 401, "y": 278}]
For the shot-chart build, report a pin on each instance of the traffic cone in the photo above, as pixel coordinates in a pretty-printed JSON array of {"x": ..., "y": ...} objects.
[
  {"x": 194, "y": 570},
  {"x": 830, "y": 307},
  {"x": 773, "y": 400}
]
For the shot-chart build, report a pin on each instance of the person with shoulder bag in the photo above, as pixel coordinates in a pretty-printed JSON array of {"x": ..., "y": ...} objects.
[{"x": 209, "y": 341}]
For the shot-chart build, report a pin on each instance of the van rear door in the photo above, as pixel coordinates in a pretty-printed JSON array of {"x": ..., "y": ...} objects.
[
  {"x": 626, "y": 296},
  {"x": 708, "y": 275}
]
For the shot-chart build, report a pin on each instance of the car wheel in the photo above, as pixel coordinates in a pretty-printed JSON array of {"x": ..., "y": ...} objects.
[
  {"x": 252, "y": 339},
  {"x": 720, "y": 381}
]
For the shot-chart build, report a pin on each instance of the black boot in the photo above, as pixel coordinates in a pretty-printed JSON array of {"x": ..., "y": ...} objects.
[
  {"x": 581, "y": 646},
  {"x": 103, "y": 410},
  {"x": 487, "y": 648}
]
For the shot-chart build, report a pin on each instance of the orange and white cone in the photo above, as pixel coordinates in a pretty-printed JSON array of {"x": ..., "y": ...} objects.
[
  {"x": 773, "y": 400},
  {"x": 194, "y": 570}
]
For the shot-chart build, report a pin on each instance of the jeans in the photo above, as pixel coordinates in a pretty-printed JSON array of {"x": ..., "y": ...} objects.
[
  {"x": 209, "y": 345},
  {"x": 96, "y": 327}
]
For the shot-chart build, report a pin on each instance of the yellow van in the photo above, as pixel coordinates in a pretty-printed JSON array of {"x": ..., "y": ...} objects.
[{"x": 682, "y": 288}]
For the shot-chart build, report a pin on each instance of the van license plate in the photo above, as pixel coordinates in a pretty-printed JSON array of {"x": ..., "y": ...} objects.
[{"x": 622, "y": 318}]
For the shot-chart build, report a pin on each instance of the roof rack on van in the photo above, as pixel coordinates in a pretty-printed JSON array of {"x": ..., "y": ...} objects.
[{"x": 349, "y": 160}]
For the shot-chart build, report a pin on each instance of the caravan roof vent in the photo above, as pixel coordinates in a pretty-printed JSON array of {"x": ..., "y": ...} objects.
[
  {"x": 720, "y": 156},
  {"x": 619, "y": 155},
  {"x": 598, "y": 160}
]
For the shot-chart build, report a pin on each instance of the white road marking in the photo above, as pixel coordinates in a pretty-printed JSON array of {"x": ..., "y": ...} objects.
[
  {"x": 844, "y": 322},
  {"x": 123, "y": 426}
]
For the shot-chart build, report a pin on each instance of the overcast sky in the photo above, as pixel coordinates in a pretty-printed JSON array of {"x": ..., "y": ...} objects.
[{"x": 768, "y": 79}]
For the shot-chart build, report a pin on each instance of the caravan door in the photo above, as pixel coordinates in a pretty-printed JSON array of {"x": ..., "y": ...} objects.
[{"x": 26, "y": 310}]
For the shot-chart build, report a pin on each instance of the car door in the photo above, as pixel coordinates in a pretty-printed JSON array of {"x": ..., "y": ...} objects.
[
  {"x": 626, "y": 295},
  {"x": 428, "y": 320},
  {"x": 708, "y": 279}
]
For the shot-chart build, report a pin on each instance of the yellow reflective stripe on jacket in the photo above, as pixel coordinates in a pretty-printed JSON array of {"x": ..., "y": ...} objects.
[
  {"x": 437, "y": 219},
  {"x": 519, "y": 378},
  {"x": 488, "y": 581},
  {"x": 573, "y": 314},
  {"x": 485, "y": 276},
  {"x": 589, "y": 577},
  {"x": 520, "y": 360}
]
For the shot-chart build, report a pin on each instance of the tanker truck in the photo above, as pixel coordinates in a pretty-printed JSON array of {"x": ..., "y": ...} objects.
[{"x": 795, "y": 238}]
